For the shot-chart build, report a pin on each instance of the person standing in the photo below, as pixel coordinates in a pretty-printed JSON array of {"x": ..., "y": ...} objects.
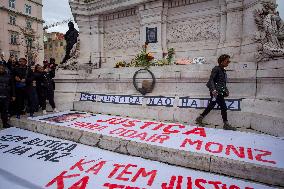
[
  {"x": 218, "y": 91},
  {"x": 45, "y": 88},
  {"x": 7, "y": 89}
]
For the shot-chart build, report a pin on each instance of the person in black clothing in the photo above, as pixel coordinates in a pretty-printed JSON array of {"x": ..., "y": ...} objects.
[
  {"x": 70, "y": 38},
  {"x": 45, "y": 88},
  {"x": 7, "y": 89},
  {"x": 25, "y": 88},
  {"x": 218, "y": 90}
]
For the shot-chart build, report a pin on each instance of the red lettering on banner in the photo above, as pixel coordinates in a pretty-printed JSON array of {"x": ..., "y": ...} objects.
[
  {"x": 188, "y": 140},
  {"x": 143, "y": 173},
  {"x": 234, "y": 187},
  {"x": 105, "y": 121},
  {"x": 249, "y": 151},
  {"x": 113, "y": 186},
  {"x": 131, "y": 123},
  {"x": 59, "y": 180},
  {"x": 198, "y": 181},
  {"x": 128, "y": 133},
  {"x": 116, "y": 167},
  {"x": 96, "y": 168},
  {"x": 240, "y": 153},
  {"x": 117, "y": 131},
  {"x": 81, "y": 184},
  {"x": 158, "y": 127},
  {"x": 141, "y": 136},
  {"x": 196, "y": 131},
  {"x": 125, "y": 172},
  {"x": 117, "y": 121},
  {"x": 171, "y": 184},
  {"x": 258, "y": 157},
  {"x": 89, "y": 126},
  {"x": 161, "y": 138},
  {"x": 80, "y": 163},
  {"x": 218, "y": 150},
  {"x": 167, "y": 130},
  {"x": 215, "y": 184},
  {"x": 147, "y": 123},
  {"x": 151, "y": 138}
]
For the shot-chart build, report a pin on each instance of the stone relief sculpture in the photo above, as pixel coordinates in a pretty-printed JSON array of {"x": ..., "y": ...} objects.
[
  {"x": 72, "y": 48},
  {"x": 122, "y": 40},
  {"x": 270, "y": 33},
  {"x": 193, "y": 31}
]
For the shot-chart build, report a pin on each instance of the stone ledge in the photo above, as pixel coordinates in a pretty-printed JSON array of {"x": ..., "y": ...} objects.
[{"x": 234, "y": 168}]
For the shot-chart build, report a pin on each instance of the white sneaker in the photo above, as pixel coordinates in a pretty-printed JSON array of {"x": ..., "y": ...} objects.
[
  {"x": 55, "y": 110},
  {"x": 44, "y": 112}
]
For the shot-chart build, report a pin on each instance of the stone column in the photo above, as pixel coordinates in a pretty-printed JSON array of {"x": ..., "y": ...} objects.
[
  {"x": 96, "y": 38},
  {"x": 151, "y": 15},
  {"x": 234, "y": 28},
  {"x": 83, "y": 22},
  {"x": 223, "y": 24}
]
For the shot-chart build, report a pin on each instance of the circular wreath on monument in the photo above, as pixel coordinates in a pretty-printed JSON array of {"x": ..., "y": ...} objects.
[{"x": 144, "y": 81}]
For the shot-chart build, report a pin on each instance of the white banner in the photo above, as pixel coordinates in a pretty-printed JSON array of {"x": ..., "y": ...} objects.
[
  {"x": 183, "y": 102},
  {"x": 241, "y": 146},
  {"x": 32, "y": 161}
]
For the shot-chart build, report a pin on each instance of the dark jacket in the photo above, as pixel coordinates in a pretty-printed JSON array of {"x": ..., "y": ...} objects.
[
  {"x": 7, "y": 87},
  {"x": 217, "y": 80}
]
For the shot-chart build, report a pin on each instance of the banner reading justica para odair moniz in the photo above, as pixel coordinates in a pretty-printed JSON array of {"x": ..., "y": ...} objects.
[
  {"x": 241, "y": 146},
  {"x": 32, "y": 161}
]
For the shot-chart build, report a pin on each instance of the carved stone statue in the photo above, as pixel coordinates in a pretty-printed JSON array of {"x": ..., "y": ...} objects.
[
  {"x": 71, "y": 39},
  {"x": 271, "y": 31}
]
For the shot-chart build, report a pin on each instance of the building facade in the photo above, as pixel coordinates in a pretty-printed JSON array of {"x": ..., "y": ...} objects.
[
  {"x": 54, "y": 46},
  {"x": 21, "y": 29}
]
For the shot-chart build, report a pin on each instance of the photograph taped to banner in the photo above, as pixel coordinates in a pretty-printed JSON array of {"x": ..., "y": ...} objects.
[{"x": 26, "y": 163}]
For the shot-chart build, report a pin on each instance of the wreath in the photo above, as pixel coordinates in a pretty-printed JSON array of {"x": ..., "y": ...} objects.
[{"x": 147, "y": 86}]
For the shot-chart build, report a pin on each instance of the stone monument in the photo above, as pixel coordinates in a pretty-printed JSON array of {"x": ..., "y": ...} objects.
[{"x": 112, "y": 31}]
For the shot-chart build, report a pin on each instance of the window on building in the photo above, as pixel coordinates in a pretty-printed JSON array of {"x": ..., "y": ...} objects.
[
  {"x": 12, "y": 4},
  {"x": 49, "y": 39},
  {"x": 50, "y": 46},
  {"x": 29, "y": 24},
  {"x": 28, "y": 9},
  {"x": 61, "y": 43},
  {"x": 14, "y": 37},
  {"x": 29, "y": 42},
  {"x": 12, "y": 20},
  {"x": 45, "y": 46}
]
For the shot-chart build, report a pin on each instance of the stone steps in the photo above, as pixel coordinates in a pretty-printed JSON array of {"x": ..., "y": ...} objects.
[
  {"x": 247, "y": 119},
  {"x": 260, "y": 161}
]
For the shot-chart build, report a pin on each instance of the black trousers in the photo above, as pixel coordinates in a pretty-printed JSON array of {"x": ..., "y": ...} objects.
[
  {"x": 20, "y": 100},
  {"x": 47, "y": 95},
  {"x": 221, "y": 102},
  {"x": 4, "y": 108}
]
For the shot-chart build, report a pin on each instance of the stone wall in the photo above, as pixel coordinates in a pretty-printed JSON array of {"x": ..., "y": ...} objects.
[{"x": 193, "y": 27}]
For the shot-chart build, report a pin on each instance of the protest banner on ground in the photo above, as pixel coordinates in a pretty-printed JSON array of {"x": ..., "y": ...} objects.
[
  {"x": 247, "y": 147},
  {"x": 33, "y": 161}
]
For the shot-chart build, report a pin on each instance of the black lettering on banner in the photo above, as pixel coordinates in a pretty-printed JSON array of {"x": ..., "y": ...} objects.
[
  {"x": 196, "y": 103},
  {"x": 11, "y": 138},
  {"x": 19, "y": 150},
  {"x": 183, "y": 102},
  {"x": 2, "y": 146},
  {"x": 160, "y": 101}
]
